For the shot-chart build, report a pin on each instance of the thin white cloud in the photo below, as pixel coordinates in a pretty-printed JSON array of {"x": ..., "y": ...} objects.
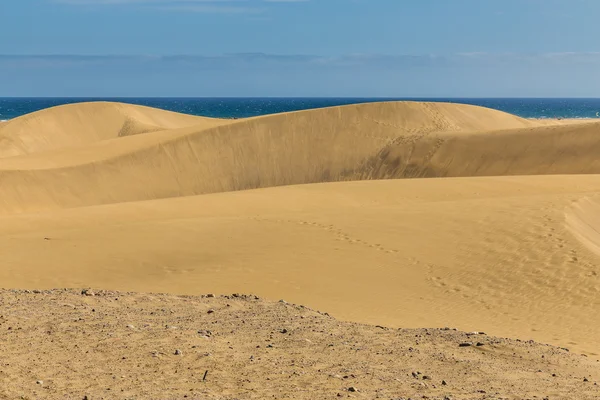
[
  {"x": 199, "y": 6},
  {"x": 172, "y": 2},
  {"x": 257, "y": 74},
  {"x": 398, "y": 60}
]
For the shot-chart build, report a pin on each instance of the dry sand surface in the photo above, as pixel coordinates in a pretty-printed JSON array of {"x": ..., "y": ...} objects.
[
  {"x": 309, "y": 206},
  {"x": 62, "y": 344}
]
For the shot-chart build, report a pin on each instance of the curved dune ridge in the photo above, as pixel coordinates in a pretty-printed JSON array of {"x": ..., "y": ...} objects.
[
  {"x": 358, "y": 142},
  {"x": 86, "y": 123},
  {"x": 499, "y": 244}
]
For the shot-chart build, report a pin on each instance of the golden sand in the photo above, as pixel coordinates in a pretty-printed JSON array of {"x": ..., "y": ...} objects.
[{"x": 501, "y": 237}]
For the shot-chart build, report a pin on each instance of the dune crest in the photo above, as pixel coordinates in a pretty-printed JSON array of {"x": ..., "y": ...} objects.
[
  {"x": 365, "y": 141},
  {"x": 85, "y": 123}
]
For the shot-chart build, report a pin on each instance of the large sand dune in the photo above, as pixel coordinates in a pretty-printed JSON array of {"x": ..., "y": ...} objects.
[
  {"x": 85, "y": 123},
  {"x": 369, "y": 141},
  {"x": 476, "y": 247}
]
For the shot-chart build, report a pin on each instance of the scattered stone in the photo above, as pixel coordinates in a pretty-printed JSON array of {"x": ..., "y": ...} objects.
[
  {"x": 210, "y": 311},
  {"x": 444, "y": 383},
  {"x": 284, "y": 331},
  {"x": 585, "y": 380},
  {"x": 88, "y": 292},
  {"x": 39, "y": 382},
  {"x": 426, "y": 377},
  {"x": 465, "y": 344},
  {"x": 479, "y": 344},
  {"x": 352, "y": 389},
  {"x": 475, "y": 333},
  {"x": 178, "y": 352}
]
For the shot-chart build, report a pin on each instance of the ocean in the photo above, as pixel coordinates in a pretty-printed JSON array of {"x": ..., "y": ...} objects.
[{"x": 248, "y": 107}]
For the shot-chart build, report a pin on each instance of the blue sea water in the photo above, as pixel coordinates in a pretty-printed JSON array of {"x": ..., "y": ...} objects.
[{"x": 247, "y": 107}]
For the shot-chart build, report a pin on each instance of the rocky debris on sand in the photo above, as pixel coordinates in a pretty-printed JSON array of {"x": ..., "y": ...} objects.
[{"x": 246, "y": 346}]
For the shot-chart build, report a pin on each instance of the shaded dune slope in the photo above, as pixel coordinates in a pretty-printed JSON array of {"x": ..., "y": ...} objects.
[
  {"x": 583, "y": 220},
  {"x": 86, "y": 123},
  {"x": 367, "y": 141}
]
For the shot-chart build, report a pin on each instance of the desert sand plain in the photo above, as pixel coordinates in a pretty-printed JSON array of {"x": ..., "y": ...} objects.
[{"x": 497, "y": 230}]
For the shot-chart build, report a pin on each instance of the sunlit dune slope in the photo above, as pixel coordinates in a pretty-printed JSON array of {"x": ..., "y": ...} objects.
[
  {"x": 485, "y": 253},
  {"x": 86, "y": 123},
  {"x": 367, "y": 141},
  {"x": 512, "y": 255}
]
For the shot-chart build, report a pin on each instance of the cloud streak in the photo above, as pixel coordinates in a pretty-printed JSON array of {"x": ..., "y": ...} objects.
[
  {"x": 203, "y": 6},
  {"x": 258, "y": 74},
  {"x": 200, "y": 6},
  {"x": 380, "y": 60}
]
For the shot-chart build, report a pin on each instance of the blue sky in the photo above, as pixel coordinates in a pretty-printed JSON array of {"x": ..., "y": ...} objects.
[{"x": 397, "y": 48}]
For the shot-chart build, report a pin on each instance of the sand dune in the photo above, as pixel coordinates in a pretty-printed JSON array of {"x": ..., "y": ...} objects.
[
  {"x": 368, "y": 141},
  {"x": 474, "y": 247},
  {"x": 86, "y": 123},
  {"x": 490, "y": 254}
]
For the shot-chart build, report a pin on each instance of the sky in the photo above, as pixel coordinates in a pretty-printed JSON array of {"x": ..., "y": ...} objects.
[{"x": 288, "y": 48}]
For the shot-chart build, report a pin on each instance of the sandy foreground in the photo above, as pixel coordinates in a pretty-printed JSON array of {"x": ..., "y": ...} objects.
[
  {"x": 122, "y": 345},
  {"x": 497, "y": 231}
]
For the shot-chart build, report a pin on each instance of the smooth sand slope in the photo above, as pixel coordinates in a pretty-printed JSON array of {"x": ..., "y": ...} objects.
[
  {"x": 369, "y": 141},
  {"x": 340, "y": 143},
  {"x": 86, "y": 123},
  {"x": 511, "y": 255},
  {"x": 491, "y": 254}
]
